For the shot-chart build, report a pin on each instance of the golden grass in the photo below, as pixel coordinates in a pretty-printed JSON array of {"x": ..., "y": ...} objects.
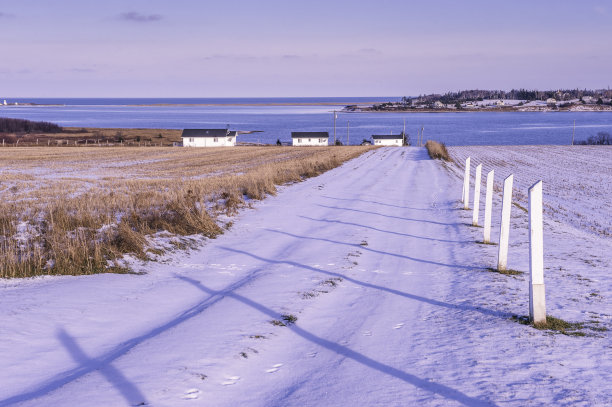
[
  {"x": 437, "y": 151},
  {"x": 78, "y": 210},
  {"x": 77, "y": 136}
]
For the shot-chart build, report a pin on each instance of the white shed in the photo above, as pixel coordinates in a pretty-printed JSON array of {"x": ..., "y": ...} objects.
[
  {"x": 388, "y": 140},
  {"x": 310, "y": 138},
  {"x": 209, "y": 138}
]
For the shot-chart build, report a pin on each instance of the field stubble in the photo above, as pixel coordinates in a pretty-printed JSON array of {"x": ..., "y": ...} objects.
[{"x": 80, "y": 210}]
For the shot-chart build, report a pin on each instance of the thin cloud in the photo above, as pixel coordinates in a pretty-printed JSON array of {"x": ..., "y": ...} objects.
[
  {"x": 371, "y": 51},
  {"x": 230, "y": 57},
  {"x": 140, "y": 18},
  {"x": 82, "y": 70},
  {"x": 602, "y": 11}
]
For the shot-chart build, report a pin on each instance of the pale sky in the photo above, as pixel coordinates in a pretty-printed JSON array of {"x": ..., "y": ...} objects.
[{"x": 268, "y": 48}]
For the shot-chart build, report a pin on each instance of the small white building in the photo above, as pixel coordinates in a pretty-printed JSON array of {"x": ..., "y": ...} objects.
[
  {"x": 588, "y": 99},
  {"x": 388, "y": 140},
  {"x": 551, "y": 101},
  {"x": 438, "y": 105},
  {"x": 209, "y": 138},
  {"x": 310, "y": 138}
]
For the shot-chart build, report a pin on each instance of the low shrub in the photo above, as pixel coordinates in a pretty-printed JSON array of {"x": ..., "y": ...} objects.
[{"x": 437, "y": 151}]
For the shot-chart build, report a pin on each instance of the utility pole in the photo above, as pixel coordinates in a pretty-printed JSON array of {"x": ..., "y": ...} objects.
[
  {"x": 404, "y": 133},
  {"x": 348, "y": 128},
  {"x": 335, "y": 117},
  {"x": 574, "y": 132}
]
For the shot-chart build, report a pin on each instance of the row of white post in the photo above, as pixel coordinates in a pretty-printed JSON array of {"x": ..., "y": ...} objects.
[{"x": 537, "y": 303}]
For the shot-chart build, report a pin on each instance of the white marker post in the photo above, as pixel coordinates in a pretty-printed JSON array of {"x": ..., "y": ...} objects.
[
  {"x": 488, "y": 208},
  {"x": 465, "y": 198},
  {"x": 476, "y": 195},
  {"x": 504, "y": 232},
  {"x": 537, "y": 302}
]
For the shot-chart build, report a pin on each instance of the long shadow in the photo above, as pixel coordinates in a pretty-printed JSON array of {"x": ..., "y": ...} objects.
[
  {"x": 103, "y": 361},
  {"x": 427, "y": 385},
  {"x": 132, "y": 395},
  {"x": 388, "y": 216},
  {"x": 385, "y": 231},
  {"x": 369, "y": 249},
  {"x": 463, "y": 307},
  {"x": 385, "y": 204}
]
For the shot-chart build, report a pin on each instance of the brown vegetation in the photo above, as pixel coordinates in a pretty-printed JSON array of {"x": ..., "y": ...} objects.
[
  {"x": 437, "y": 151},
  {"x": 73, "y": 136},
  {"x": 79, "y": 210}
]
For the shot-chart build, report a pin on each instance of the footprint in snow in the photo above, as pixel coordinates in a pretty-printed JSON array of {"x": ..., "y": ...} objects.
[
  {"x": 191, "y": 394},
  {"x": 274, "y": 368},
  {"x": 312, "y": 354},
  {"x": 230, "y": 380},
  {"x": 398, "y": 326},
  {"x": 367, "y": 333}
]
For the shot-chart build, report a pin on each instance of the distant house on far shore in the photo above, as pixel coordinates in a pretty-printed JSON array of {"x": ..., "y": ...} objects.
[
  {"x": 209, "y": 138},
  {"x": 388, "y": 140},
  {"x": 310, "y": 138}
]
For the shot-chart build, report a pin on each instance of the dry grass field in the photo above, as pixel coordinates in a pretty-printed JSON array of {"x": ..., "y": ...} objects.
[
  {"x": 78, "y": 210},
  {"x": 77, "y": 136}
]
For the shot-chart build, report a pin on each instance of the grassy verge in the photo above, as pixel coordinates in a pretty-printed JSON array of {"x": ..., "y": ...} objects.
[
  {"x": 437, "y": 151},
  {"x": 553, "y": 324},
  {"x": 508, "y": 272},
  {"x": 79, "y": 210}
]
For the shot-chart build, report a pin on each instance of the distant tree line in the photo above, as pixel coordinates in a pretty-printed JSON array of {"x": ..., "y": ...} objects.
[
  {"x": 602, "y": 139},
  {"x": 26, "y": 126},
  {"x": 516, "y": 94}
]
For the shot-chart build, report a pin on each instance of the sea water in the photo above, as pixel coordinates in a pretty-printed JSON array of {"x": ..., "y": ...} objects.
[{"x": 276, "y": 122}]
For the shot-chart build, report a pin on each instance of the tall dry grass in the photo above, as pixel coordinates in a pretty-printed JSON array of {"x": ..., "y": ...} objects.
[
  {"x": 437, "y": 151},
  {"x": 80, "y": 210}
]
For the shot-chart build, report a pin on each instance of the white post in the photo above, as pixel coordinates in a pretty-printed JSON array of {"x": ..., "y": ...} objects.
[
  {"x": 504, "y": 232},
  {"x": 488, "y": 207},
  {"x": 537, "y": 302},
  {"x": 476, "y": 195},
  {"x": 465, "y": 198}
]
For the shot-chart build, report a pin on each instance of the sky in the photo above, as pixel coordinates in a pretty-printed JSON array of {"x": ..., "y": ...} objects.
[{"x": 270, "y": 48}]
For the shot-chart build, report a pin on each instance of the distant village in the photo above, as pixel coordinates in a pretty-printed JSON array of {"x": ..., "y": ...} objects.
[{"x": 521, "y": 100}]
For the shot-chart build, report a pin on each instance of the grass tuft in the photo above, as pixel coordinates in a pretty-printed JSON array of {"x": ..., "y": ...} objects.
[
  {"x": 553, "y": 324},
  {"x": 508, "y": 272},
  {"x": 437, "y": 151}
]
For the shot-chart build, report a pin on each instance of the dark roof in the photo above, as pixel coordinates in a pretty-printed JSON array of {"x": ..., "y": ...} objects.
[
  {"x": 205, "y": 133},
  {"x": 387, "y": 136},
  {"x": 311, "y": 134}
]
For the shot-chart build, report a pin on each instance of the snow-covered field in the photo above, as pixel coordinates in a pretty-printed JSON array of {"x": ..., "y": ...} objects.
[{"x": 362, "y": 286}]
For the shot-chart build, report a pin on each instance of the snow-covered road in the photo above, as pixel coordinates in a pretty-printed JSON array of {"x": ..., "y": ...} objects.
[{"x": 375, "y": 261}]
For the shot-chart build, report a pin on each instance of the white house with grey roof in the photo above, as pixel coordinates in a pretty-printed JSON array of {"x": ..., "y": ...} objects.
[
  {"x": 209, "y": 138},
  {"x": 310, "y": 138},
  {"x": 388, "y": 140}
]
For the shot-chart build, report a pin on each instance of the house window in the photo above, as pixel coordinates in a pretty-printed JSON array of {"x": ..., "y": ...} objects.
[
  {"x": 216, "y": 139},
  {"x": 299, "y": 140},
  {"x": 229, "y": 139},
  {"x": 321, "y": 140},
  {"x": 191, "y": 140},
  {"x": 309, "y": 140}
]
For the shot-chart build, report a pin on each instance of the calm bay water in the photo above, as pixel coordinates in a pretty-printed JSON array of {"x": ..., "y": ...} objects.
[{"x": 277, "y": 122}]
